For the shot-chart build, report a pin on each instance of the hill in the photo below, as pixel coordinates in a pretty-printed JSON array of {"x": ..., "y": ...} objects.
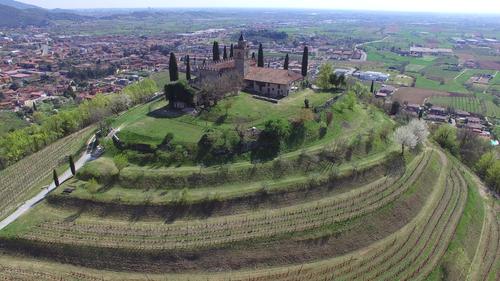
[
  {"x": 17, "y": 4},
  {"x": 15, "y": 17}
]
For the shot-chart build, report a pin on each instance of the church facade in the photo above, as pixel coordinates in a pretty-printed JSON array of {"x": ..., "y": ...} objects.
[{"x": 268, "y": 82}]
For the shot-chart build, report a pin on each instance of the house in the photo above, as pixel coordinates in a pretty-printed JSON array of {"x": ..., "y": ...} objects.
[
  {"x": 437, "y": 118},
  {"x": 411, "y": 107},
  {"x": 386, "y": 90},
  {"x": 462, "y": 114},
  {"x": 473, "y": 120},
  {"x": 437, "y": 110},
  {"x": 269, "y": 82}
]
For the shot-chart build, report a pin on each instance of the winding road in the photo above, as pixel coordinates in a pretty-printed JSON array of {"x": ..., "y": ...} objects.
[{"x": 26, "y": 206}]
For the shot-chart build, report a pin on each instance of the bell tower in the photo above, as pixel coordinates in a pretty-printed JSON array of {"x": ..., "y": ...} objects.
[{"x": 241, "y": 56}]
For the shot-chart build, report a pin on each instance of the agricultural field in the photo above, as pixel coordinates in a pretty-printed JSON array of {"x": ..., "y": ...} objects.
[
  {"x": 470, "y": 104},
  {"x": 37, "y": 168},
  {"x": 320, "y": 185},
  {"x": 321, "y": 211}
]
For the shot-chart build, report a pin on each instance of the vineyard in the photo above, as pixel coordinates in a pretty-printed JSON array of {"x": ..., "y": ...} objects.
[
  {"x": 306, "y": 215},
  {"x": 21, "y": 179},
  {"x": 469, "y": 104},
  {"x": 411, "y": 252}
]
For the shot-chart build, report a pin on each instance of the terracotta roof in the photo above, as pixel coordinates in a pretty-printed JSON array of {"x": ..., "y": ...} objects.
[{"x": 271, "y": 75}]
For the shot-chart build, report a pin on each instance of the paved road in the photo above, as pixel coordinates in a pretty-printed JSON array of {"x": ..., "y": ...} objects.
[{"x": 40, "y": 196}]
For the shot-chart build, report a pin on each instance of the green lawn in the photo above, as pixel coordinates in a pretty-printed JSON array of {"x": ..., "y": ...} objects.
[{"x": 244, "y": 109}]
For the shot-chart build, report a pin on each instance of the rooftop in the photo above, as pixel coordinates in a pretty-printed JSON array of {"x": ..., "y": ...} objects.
[{"x": 271, "y": 75}]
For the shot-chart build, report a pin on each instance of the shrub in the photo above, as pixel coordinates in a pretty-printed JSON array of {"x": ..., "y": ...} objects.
[{"x": 103, "y": 170}]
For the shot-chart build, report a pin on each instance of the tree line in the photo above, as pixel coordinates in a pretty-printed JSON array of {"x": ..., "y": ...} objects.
[{"x": 23, "y": 142}]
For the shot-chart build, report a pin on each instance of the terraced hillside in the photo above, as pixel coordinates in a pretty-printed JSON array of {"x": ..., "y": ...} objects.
[
  {"x": 21, "y": 179},
  {"x": 303, "y": 216}
]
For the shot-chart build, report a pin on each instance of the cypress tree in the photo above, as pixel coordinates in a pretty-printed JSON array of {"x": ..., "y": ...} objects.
[
  {"x": 188, "y": 68},
  {"x": 56, "y": 179},
  {"x": 253, "y": 55},
  {"x": 34, "y": 106},
  {"x": 260, "y": 57},
  {"x": 305, "y": 61},
  {"x": 269, "y": 64},
  {"x": 372, "y": 88},
  {"x": 216, "y": 51},
  {"x": 224, "y": 55},
  {"x": 172, "y": 68},
  {"x": 72, "y": 165},
  {"x": 231, "y": 51},
  {"x": 285, "y": 65}
]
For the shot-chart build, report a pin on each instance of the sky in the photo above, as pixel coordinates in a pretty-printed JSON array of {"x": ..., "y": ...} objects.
[{"x": 440, "y": 6}]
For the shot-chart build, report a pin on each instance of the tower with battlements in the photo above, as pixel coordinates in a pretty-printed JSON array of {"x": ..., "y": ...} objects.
[{"x": 241, "y": 56}]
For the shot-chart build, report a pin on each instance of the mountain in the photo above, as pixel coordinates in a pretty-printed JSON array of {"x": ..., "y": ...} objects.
[
  {"x": 18, "y": 5},
  {"x": 13, "y": 17}
]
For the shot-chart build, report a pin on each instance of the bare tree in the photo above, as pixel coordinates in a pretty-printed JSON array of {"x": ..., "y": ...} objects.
[{"x": 216, "y": 88}]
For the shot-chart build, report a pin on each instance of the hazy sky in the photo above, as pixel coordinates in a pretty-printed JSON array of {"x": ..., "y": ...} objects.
[{"x": 467, "y": 6}]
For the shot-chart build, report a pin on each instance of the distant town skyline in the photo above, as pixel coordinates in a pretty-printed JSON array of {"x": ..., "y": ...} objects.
[{"x": 437, "y": 6}]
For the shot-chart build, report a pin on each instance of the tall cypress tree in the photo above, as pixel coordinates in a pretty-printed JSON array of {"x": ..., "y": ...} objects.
[
  {"x": 285, "y": 65},
  {"x": 224, "y": 55},
  {"x": 216, "y": 51},
  {"x": 305, "y": 61},
  {"x": 55, "y": 177},
  {"x": 260, "y": 57},
  {"x": 173, "y": 70},
  {"x": 188, "y": 68},
  {"x": 372, "y": 88},
  {"x": 231, "y": 51},
  {"x": 72, "y": 165},
  {"x": 253, "y": 55}
]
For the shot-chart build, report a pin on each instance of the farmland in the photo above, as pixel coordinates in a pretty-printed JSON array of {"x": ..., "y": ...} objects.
[
  {"x": 256, "y": 221},
  {"x": 323, "y": 184}
]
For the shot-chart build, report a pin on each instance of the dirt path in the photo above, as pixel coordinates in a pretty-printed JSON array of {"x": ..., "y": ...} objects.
[{"x": 461, "y": 73}]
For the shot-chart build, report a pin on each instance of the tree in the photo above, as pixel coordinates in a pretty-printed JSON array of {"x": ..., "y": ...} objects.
[
  {"x": 285, "y": 64},
  {"x": 323, "y": 80},
  {"x": 179, "y": 91},
  {"x": 231, "y": 51},
  {"x": 372, "y": 87},
  {"x": 34, "y": 107},
  {"x": 420, "y": 114},
  {"x": 485, "y": 162},
  {"x": 306, "y": 103},
  {"x": 395, "y": 107},
  {"x": 329, "y": 118},
  {"x": 253, "y": 55},
  {"x": 188, "y": 68},
  {"x": 72, "y": 165},
  {"x": 55, "y": 177},
  {"x": 419, "y": 129},
  {"x": 305, "y": 61},
  {"x": 405, "y": 137},
  {"x": 260, "y": 56},
  {"x": 216, "y": 51},
  {"x": 493, "y": 176},
  {"x": 172, "y": 68},
  {"x": 224, "y": 54},
  {"x": 446, "y": 137},
  {"x": 119, "y": 103}
]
